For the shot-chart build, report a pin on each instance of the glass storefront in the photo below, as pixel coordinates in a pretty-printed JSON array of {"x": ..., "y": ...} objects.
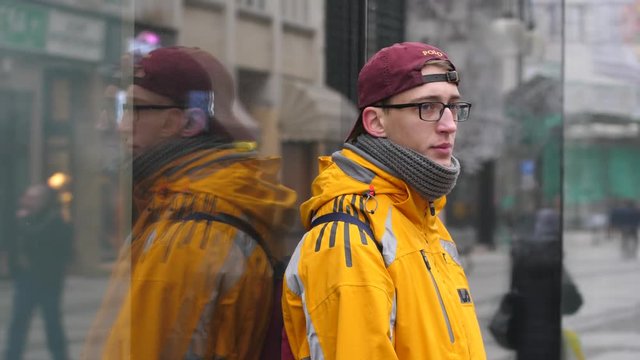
[{"x": 549, "y": 156}]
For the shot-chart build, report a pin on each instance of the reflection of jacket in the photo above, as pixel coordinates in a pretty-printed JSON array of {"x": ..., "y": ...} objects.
[
  {"x": 346, "y": 299},
  {"x": 192, "y": 288}
]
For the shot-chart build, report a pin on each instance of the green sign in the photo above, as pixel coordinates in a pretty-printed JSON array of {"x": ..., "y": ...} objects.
[{"x": 23, "y": 27}]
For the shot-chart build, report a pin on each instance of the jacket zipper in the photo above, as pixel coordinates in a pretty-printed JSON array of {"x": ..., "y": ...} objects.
[
  {"x": 432, "y": 208},
  {"x": 435, "y": 284}
]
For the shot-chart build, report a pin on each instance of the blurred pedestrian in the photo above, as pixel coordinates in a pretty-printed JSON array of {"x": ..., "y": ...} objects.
[
  {"x": 39, "y": 256},
  {"x": 625, "y": 219},
  {"x": 597, "y": 224},
  {"x": 196, "y": 279},
  {"x": 377, "y": 275},
  {"x": 545, "y": 288}
]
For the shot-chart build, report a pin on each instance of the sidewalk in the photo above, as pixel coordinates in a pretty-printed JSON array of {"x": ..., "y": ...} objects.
[{"x": 608, "y": 323}]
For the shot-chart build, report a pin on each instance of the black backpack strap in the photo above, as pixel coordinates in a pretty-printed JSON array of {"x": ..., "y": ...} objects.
[
  {"x": 239, "y": 224},
  {"x": 350, "y": 219}
]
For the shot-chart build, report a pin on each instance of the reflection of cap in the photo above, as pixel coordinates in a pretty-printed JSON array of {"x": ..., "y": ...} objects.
[
  {"x": 395, "y": 69},
  {"x": 191, "y": 77}
]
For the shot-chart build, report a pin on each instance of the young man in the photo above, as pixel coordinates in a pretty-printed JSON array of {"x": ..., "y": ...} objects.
[
  {"x": 195, "y": 280},
  {"x": 377, "y": 275}
]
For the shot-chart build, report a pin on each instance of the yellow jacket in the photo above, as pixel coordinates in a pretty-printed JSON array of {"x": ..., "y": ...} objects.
[
  {"x": 345, "y": 299},
  {"x": 188, "y": 289}
]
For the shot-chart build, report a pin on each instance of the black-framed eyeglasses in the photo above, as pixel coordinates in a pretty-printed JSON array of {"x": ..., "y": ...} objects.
[
  {"x": 138, "y": 107},
  {"x": 432, "y": 110}
]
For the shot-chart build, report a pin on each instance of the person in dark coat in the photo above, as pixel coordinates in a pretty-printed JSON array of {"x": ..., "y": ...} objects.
[
  {"x": 626, "y": 219},
  {"x": 39, "y": 255},
  {"x": 536, "y": 276}
]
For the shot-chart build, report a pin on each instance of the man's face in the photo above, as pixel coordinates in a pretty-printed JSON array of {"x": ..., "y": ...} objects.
[
  {"x": 433, "y": 140},
  {"x": 145, "y": 128}
]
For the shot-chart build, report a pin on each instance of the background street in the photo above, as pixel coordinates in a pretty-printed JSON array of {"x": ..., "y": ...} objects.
[{"x": 608, "y": 323}]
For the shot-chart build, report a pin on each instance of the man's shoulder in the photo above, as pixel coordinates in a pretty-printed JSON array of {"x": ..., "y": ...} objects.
[
  {"x": 341, "y": 235},
  {"x": 333, "y": 253}
]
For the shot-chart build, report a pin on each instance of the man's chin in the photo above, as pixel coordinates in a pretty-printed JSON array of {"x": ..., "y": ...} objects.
[{"x": 440, "y": 160}]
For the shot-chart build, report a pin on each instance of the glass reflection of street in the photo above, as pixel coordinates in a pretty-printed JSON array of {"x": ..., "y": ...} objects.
[{"x": 556, "y": 116}]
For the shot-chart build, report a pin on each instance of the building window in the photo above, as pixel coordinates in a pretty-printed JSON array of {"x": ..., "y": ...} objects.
[
  {"x": 575, "y": 23},
  {"x": 296, "y": 11}
]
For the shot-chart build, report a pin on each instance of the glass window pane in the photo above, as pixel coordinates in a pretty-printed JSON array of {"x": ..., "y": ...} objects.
[
  {"x": 601, "y": 197},
  {"x": 107, "y": 216}
]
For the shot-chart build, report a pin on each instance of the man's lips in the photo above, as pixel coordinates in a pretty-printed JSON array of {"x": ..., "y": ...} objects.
[{"x": 443, "y": 146}]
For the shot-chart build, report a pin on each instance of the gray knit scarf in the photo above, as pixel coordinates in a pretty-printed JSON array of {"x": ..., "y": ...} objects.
[
  {"x": 429, "y": 178},
  {"x": 152, "y": 160}
]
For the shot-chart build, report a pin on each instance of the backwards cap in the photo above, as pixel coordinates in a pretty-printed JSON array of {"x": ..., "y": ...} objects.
[{"x": 192, "y": 78}]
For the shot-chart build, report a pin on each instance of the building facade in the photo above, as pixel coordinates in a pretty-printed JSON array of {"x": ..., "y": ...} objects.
[{"x": 60, "y": 72}]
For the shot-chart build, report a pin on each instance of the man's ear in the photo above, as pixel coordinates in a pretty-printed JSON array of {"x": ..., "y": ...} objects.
[
  {"x": 196, "y": 123},
  {"x": 373, "y": 121},
  {"x": 172, "y": 123}
]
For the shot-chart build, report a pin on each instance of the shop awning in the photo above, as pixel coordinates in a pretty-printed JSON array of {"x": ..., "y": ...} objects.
[
  {"x": 314, "y": 113},
  {"x": 247, "y": 122}
]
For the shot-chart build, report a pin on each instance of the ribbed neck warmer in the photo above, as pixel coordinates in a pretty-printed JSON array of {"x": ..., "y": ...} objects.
[
  {"x": 152, "y": 160},
  {"x": 429, "y": 178}
]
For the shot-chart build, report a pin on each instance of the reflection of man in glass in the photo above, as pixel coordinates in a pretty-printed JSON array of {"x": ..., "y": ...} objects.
[
  {"x": 196, "y": 279},
  {"x": 377, "y": 276},
  {"x": 39, "y": 256}
]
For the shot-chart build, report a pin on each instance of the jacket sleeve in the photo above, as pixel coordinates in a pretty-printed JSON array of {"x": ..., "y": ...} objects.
[
  {"x": 175, "y": 279},
  {"x": 338, "y": 298},
  {"x": 294, "y": 323}
]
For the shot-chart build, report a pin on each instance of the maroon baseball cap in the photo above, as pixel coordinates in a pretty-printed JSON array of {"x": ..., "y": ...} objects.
[
  {"x": 192, "y": 78},
  {"x": 394, "y": 69}
]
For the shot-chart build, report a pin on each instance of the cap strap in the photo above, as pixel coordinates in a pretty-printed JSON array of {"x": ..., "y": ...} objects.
[
  {"x": 203, "y": 100},
  {"x": 449, "y": 76}
]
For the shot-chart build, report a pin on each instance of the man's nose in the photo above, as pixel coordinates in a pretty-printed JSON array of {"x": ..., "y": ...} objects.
[{"x": 447, "y": 124}]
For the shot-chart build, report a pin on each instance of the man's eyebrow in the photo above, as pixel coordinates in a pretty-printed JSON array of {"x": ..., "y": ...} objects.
[
  {"x": 434, "y": 98},
  {"x": 134, "y": 100}
]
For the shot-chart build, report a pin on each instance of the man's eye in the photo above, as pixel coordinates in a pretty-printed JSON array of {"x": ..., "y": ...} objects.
[{"x": 428, "y": 107}]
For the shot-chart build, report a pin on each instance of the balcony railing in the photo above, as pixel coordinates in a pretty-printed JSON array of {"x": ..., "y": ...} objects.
[
  {"x": 293, "y": 12},
  {"x": 259, "y": 6}
]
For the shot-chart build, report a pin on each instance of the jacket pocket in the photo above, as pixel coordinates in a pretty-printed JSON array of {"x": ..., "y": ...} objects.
[{"x": 442, "y": 307}]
